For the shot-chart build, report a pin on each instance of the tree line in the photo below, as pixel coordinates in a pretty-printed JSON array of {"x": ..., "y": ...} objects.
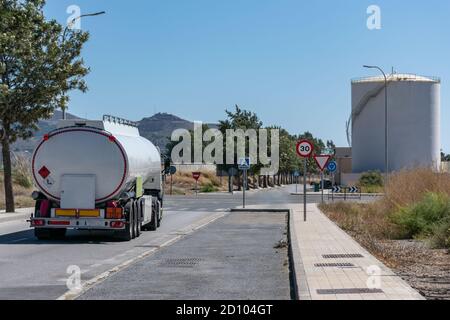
[{"x": 239, "y": 118}]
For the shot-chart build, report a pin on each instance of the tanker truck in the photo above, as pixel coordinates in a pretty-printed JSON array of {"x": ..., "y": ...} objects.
[{"x": 96, "y": 175}]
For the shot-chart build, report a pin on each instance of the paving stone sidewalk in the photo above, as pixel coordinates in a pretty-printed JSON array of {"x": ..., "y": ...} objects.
[{"x": 330, "y": 265}]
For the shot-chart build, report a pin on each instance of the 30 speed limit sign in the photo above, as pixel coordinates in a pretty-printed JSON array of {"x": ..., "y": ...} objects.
[{"x": 304, "y": 148}]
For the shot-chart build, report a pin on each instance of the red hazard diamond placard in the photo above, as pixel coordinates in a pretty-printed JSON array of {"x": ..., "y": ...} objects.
[{"x": 44, "y": 172}]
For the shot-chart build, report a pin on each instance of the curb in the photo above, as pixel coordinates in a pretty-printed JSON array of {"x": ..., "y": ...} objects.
[{"x": 299, "y": 284}]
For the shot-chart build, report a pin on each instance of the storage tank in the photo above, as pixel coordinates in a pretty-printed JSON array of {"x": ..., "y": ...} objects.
[
  {"x": 413, "y": 123},
  {"x": 112, "y": 153}
]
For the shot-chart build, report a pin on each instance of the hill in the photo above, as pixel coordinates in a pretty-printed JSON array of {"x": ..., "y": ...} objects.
[
  {"x": 45, "y": 125},
  {"x": 157, "y": 129}
]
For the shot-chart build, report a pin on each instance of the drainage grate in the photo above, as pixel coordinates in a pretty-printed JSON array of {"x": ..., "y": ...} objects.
[
  {"x": 349, "y": 291},
  {"x": 181, "y": 262},
  {"x": 334, "y": 265},
  {"x": 342, "y": 256}
]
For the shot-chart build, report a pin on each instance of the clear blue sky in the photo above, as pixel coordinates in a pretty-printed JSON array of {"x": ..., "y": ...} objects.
[{"x": 290, "y": 61}]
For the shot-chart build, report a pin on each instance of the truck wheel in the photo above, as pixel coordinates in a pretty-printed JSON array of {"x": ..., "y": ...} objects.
[
  {"x": 58, "y": 234},
  {"x": 133, "y": 221},
  {"x": 42, "y": 234},
  {"x": 137, "y": 215},
  {"x": 49, "y": 234},
  {"x": 127, "y": 234},
  {"x": 153, "y": 225},
  {"x": 160, "y": 213}
]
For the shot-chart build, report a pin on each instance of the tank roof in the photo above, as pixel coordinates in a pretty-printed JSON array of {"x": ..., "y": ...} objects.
[{"x": 399, "y": 77}]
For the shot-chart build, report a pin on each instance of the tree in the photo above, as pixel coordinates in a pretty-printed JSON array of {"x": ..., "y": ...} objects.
[
  {"x": 239, "y": 119},
  {"x": 39, "y": 64},
  {"x": 289, "y": 160}
]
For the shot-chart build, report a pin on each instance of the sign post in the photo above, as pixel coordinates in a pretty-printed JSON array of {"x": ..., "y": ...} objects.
[
  {"x": 304, "y": 150},
  {"x": 332, "y": 167},
  {"x": 170, "y": 171},
  {"x": 244, "y": 166},
  {"x": 296, "y": 175},
  {"x": 322, "y": 162},
  {"x": 196, "y": 176}
]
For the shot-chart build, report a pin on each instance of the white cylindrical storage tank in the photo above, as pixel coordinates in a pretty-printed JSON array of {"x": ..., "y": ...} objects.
[
  {"x": 413, "y": 123},
  {"x": 116, "y": 159}
]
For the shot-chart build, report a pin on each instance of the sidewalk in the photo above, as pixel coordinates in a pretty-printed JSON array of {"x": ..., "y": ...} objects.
[
  {"x": 324, "y": 274},
  {"x": 20, "y": 214}
]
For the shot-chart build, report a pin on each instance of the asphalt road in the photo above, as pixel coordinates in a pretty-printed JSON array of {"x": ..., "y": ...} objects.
[
  {"x": 32, "y": 269},
  {"x": 237, "y": 257}
]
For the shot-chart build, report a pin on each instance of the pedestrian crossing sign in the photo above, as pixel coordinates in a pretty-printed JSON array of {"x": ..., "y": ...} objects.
[{"x": 244, "y": 164}]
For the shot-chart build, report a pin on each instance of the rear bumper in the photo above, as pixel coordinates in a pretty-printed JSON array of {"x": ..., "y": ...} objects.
[{"x": 80, "y": 223}]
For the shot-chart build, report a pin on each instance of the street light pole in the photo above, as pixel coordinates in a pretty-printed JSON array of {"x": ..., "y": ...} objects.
[
  {"x": 70, "y": 24},
  {"x": 386, "y": 131}
]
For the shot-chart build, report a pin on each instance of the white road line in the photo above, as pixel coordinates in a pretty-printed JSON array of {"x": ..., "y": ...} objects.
[{"x": 73, "y": 294}]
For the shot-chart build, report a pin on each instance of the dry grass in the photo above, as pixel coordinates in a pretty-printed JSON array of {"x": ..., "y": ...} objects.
[
  {"x": 22, "y": 184},
  {"x": 409, "y": 187},
  {"x": 426, "y": 269},
  {"x": 404, "y": 189},
  {"x": 183, "y": 183},
  {"x": 22, "y": 195}
]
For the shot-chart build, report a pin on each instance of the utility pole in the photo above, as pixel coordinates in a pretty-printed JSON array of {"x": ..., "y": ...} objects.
[{"x": 69, "y": 25}]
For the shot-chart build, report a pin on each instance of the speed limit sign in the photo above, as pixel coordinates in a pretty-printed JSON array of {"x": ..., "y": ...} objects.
[{"x": 304, "y": 148}]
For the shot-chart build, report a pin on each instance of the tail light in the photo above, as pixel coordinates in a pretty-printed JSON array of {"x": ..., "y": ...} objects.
[
  {"x": 38, "y": 223},
  {"x": 59, "y": 223},
  {"x": 114, "y": 213},
  {"x": 117, "y": 224}
]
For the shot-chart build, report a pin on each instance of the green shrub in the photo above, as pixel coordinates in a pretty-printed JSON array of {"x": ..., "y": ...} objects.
[
  {"x": 425, "y": 217},
  {"x": 371, "y": 179},
  {"x": 209, "y": 187},
  {"x": 441, "y": 235}
]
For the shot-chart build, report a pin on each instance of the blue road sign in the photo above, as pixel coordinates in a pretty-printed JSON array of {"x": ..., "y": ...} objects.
[
  {"x": 332, "y": 166},
  {"x": 296, "y": 174},
  {"x": 244, "y": 164}
]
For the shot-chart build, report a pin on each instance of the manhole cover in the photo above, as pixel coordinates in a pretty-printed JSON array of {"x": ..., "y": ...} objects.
[
  {"x": 349, "y": 291},
  {"x": 180, "y": 262},
  {"x": 342, "y": 256},
  {"x": 334, "y": 265}
]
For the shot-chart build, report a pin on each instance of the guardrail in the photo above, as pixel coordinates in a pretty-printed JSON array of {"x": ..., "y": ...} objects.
[{"x": 346, "y": 193}]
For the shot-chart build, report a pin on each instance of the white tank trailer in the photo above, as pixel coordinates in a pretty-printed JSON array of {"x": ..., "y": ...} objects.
[
  {"x": 96, "y": 175},
  {"x": 413, "y": 123}
]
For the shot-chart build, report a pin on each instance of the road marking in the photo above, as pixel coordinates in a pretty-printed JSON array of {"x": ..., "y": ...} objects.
[{"x": 74, "y": 294}]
